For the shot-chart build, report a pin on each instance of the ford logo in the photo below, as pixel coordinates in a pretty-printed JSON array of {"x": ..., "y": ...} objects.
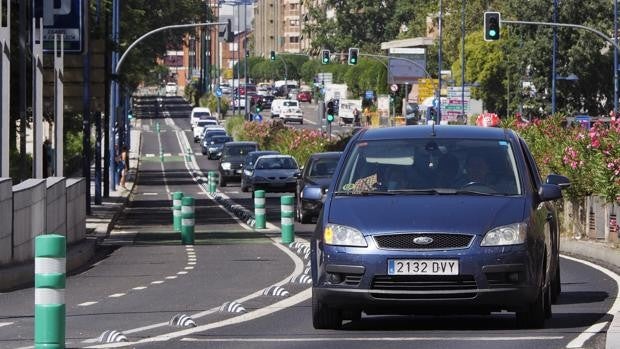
[{"x": 422, "y": 240}]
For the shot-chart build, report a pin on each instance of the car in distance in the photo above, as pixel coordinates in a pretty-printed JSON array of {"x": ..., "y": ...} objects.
[
  {"x": 274, "y": 173},
  {"x": 230, "y": 166},
  {"x": 313, "y": 183},
  {"x": 248, "y": 165},
  {"x": 198, "y": 130},
  {"x": 436, "y": 219},
  {"x": 265, "y": 101},
  {"x": 214, "y": 145},
  {"x": 199, "y": 113},
  {"x": 304, "y": 96}
]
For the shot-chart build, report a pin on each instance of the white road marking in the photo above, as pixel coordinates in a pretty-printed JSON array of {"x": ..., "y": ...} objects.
[
  {"x": 371, "y": 339},
  {"x": 149, "y": 194},
  {"x": 188, "y": 268},
  {"x": 182, "y": 273},
  {"x": 171, "y": 277},
  {"x": 598, "y": 327},
  {"x": 149, "y": 155},
  {"x": 157, "y": 282},
  {"x": 191, "y": 259},
  {"x": 139, "y": 288},
  {"x": 191, "y": 263},
  {"x": 167, "y": 154},
  {"x": 2, "y": 324},
  {"x": 86, "y": 304},
  {"x": 116, "y": 295}
]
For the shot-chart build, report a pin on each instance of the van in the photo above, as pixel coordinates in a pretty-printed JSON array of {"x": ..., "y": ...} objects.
[
  {"x": 199, "y": 113},
  {"x": 279, "y": 105}
]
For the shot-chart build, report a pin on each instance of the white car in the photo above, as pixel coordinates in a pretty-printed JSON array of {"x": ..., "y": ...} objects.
[
  {"x": 280, "y": 105},
  {"x": 292, "y": 114},
  {"x": 199, "y": 113},
  {"x": 200, "y": 126}
]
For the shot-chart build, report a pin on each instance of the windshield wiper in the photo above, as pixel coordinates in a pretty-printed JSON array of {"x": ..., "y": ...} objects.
[{"x": 364, "y": 193}]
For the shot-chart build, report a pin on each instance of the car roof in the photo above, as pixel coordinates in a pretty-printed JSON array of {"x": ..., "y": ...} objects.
[
  {"x": 263, "y": 152},
  {"x": 439, "y": 131},
  {"x": 275, "y": 156},
  {"x": 327, "y": 154},
  {"x": 221, "y": 136}
]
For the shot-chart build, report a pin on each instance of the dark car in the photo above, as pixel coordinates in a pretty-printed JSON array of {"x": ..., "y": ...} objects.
[
  {"x": 265, "y": 101},
  {"x": 230, "y": 166},
  {"x": 304, "y": 96},
  {"x": 443, "y": 219},
  {"x": 313, "y": 184},
  {"x": 215, "y": 144},
  {"x": 274, "y": 173},
  {"x": 248, "y": 165},
  {"x": 206, "y": 138}
]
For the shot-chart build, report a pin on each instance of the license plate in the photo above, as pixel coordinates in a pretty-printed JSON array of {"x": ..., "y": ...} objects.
[
  {"x": 423, "y": 267},
  {"x": 238, "y": 171}
]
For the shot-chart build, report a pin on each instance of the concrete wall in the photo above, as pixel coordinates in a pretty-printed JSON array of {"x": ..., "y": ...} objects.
[
  {"x": 56, "y": 206},
  {"x": 28, "y": 217},
  {"x": 6, "y": 219},
  {"x": 76, "y": 209}
]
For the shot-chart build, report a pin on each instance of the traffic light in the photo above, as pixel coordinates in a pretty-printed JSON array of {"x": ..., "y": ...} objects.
[
  {"x": 230, "y": 36},
  {"x": 491, "y": 26},
  {"x": 273, "y": 55},
  {"x": 258, "y": 106},
  {"x": 130, "y": 114},
  {"x": 353, "y": 55},
  {"x": 325, "y": 59},
  {"x": 330, "y": 112},
  {"x": 247, "y": 53}
]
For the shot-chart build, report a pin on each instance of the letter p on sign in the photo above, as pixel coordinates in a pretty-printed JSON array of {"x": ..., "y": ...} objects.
[{"x": 49, "y": 11}]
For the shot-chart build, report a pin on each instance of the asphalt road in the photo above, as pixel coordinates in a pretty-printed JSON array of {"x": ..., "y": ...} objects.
[{"x": 143, "y": 277}]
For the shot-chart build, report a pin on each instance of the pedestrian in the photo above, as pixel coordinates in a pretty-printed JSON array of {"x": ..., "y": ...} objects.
[
  {"x": 48, "y": 158},
  {"x": 356, "y": 117},
  {"x": 124, "y": 164},
  {"x": 367, "y": 115}
]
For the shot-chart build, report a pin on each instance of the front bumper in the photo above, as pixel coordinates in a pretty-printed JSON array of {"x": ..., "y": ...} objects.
[
  {"x": 272, "y": 187},
  {"x": 490, "y": 279}
]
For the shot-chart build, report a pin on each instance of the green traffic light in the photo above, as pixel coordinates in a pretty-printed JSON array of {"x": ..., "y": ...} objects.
[
  {"x": 330, "y": 118},
  {"x": 492, "y": 33}
]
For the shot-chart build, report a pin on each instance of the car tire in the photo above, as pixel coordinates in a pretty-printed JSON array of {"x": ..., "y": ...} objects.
[
  {"x": 324, "y": 317},
  {"x": 222, "y": 181},
  {"x": 556, "y": 285},
  {"x": 204, "y": 153},
  {"x": 244, "y": 188},
  {"x": 304, "y": 218},
  {"x": 535, "y": 313},
  {"x": 548, "y": 312}
]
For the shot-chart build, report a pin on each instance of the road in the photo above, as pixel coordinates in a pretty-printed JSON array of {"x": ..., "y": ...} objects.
[{"x": 143, "y": 277}]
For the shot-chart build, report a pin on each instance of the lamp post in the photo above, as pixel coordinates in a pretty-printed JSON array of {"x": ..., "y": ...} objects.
[
  {"x": 555, "y": 48},
  {"x": 616, "y": 56}
]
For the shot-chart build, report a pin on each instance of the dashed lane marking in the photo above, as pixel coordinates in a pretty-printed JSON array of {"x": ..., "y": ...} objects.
[
  {"x": 188, "y": 268},
  {"x": 171, "y": 277},
  {"x": 116, "y": 295},
  {"x": 191, "y": 263},
  {"x": 139, "y": 288},
  {"x": 3, "y": 324},
  {"x": 86, "y": 304},
  {"x": 182, "y": 273},
  {"x": 157, "y": 282},
  {"x": 150, "y": 194}
]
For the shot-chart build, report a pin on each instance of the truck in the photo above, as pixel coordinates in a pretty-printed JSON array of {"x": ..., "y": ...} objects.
[
  {"x": 345, "y": 110},
  {"x": 335, "y": 91},
  {"x": 171, "y": 89}
]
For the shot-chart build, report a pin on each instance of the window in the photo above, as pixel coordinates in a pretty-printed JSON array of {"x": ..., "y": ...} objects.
[
  {"x": 294, "y": 39},
  {"x": 294, "y": 23}
]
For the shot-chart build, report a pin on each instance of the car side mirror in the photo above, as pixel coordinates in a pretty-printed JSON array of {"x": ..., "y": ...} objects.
[
  {"x": 558, "y": 180},
  {"x": 549, "y": 192},
  {"x": 298, "y": 175},
  {"x": 312, "y": 193}
]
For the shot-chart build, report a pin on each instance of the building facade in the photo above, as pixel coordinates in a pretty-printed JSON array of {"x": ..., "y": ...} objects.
[{"x": 278, "y": 27}]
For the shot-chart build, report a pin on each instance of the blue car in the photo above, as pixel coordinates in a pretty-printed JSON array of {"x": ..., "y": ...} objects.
[
  {"x": 432, "y": 220},
  {"x": 312, "y": 184}
]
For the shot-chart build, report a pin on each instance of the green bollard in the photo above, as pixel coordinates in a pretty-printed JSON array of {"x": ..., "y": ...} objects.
[
  {"x": 187, "y": 221},
  {"x": 260, "y": 221},
  {"x": 176, "y": 210},
  {"x": 49, "y": 294},
  {"x": 212, "y": 181},
  {"x": 287, "y": 214}
]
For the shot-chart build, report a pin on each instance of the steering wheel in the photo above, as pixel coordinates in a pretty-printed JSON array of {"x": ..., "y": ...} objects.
[{"x": 485, "y": 187}]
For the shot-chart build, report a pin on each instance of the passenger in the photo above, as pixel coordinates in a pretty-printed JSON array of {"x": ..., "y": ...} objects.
[{"x": 397, "y": 179}]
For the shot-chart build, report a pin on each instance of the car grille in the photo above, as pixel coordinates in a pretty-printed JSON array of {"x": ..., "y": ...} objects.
[
  {"x": 425, "y": 286},
  {"x": 440, "y": 241},
  {"x": 352, "y": 280}
]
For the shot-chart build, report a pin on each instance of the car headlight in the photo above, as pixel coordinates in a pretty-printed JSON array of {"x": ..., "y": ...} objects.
[
  {"x": 226, "y": 166},
  {"x": 512, "y": 234},
  {"x": 341, "y": 235},
  {"x": 247, "y": 172}
]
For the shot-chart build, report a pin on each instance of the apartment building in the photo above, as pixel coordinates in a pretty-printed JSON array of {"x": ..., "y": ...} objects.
[{"x": 278, "y": 26}]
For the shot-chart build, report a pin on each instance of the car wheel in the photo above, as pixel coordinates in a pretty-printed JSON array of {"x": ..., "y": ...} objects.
[
  {"x": 324, "y": 317},
  {"x": 556, "y": 285},
  {"x": 204, "y": 152},
  {"x": 304, "y": 218},
  {"x": 548, "y": 312},
  {"x": 222, "y": 181},
  {"x": 535, "y": 313},
  {"x": 244, "y": 188}
]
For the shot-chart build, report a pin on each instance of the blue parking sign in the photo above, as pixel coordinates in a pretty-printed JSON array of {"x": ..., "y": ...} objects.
[
  {"x": 64, "y": 17},
  {"x": 218, "y": 92},
  {"x": 258, "y": 117}
]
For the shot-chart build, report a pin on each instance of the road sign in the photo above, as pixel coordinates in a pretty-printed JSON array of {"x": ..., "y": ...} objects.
[
  {"x": 394, "y": 88},
  {"x": 258, "y": 117},
  {"x": 218, "y": 92},
  {"x": 369, "y": 95},
  {"x": 64, "y": 17},
  {"x": 583, "y": 120}
]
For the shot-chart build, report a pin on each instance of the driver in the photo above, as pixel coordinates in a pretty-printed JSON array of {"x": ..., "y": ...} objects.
[{"x": 476, "y": 171}]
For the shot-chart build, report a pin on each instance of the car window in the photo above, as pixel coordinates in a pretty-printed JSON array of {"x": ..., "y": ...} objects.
[
  {"x": 532, "y": 169},
  {"x": 239, "y": 150},
  {"x": 207, "y": 122},
  {"x": 323, "y": 167},
  {"x": 486, "y": 166},
  {"x": 220, "y": 140},
  {"x": 276, "y": 163},
  {"x": 290, "y": 104}
]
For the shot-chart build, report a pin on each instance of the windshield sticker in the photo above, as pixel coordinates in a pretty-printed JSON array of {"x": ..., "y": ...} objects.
[
  {"x": 348, "y": 187},
  {"x": 366, "y": 183}
]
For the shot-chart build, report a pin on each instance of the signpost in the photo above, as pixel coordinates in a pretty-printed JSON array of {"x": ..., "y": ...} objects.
[
  {"x": 427, "y": 88},
  {"x": 61, "y": 17},
  {"x": 454, "y": 108}
]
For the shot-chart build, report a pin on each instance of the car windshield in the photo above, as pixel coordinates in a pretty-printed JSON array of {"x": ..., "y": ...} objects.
[
  {"x": 220, "y": 139},
  {"x": 276, "y": 163},
  {"x": 290, "y": 104},
  {"x": 323, "y": 167},
  {"x": 431, "y": 166},
  {"x": 238, "y": 150},
  {"x": 202, "y": 115},
  {"x": 207, "y": 122}
]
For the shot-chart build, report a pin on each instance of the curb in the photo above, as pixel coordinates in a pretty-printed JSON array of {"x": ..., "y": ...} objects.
[{"x": 603, "y": 255}]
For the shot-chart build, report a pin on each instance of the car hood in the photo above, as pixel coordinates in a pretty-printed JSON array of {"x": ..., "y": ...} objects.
[{"x": 427, "y": 213}]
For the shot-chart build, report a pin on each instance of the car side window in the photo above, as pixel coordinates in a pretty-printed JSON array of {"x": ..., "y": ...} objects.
[{"x": 532, "y": 169}]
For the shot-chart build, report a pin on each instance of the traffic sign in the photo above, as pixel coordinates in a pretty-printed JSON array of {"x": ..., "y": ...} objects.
[
  {"x": 61, "y": 17},
  {"x": 218, "y": 92},
  {"x": 258, "y": 117},
  {"x": 369, "y": 95},
  {"x": 394, "y": 88}
]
